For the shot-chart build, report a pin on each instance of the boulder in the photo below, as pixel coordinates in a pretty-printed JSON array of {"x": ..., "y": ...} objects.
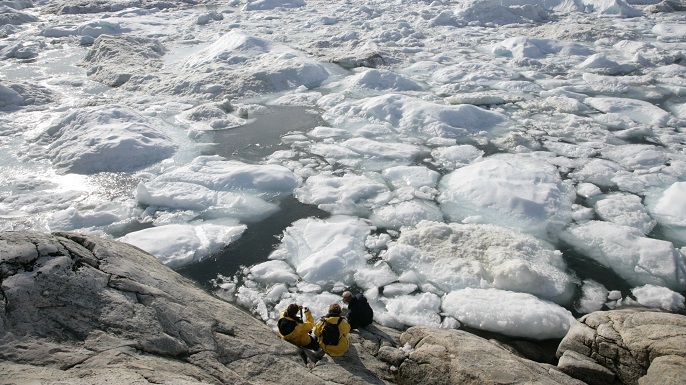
[
  {"x": 628, "y": 342},
  {"x": 81, "y": 309},
  {"x": 439, "y": 356},
  {"x": 665, "y": 370},
  {"x": 585, "y": 368}
]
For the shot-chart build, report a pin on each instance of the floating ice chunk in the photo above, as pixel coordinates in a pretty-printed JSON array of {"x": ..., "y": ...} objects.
[
  {"x": 473, "y": 71},
  {"x": 273, "y": 272},
  {"x": 410, "y": 114},
  {"x": 594, "y": 296},
  {"x": 670, "y": 32},
  {"x": 211, "y": 116},
  {"x": 512, "y": 190},
  {"x": 453, "y": 157},
  {"x": 582, "y": 214},
  {"x": 10, "y": 16},
  {"x": 399, "y": 288},
  {"x": 347, "y": 194},
  {"x": 536, "y": 48},
  {"x": 382, "y": 80},
  {"x": 91, "y": 29},
  {"x": 613, "y": 8},
  {"x": 105, "y": 138},
  {"x": 496, "y": 12},
  {"x": 238, "y": 62},
  {"x": 570, "y": 150},
  {"x": 219, "y": 174},
  {"x": 626, "y": 251},
  {"x": 325, "y": 252},
  {"x": 637, "y": 156},
  {"x": 175, "y": 195},
  {"x": 407, "y": 213},
  {"x": 669, "y": 208},
  {"x": 601, "y": 64},
  {"x": 599, "y": 172},
  {"x": 263, "y": 5},
  {"x": 455, "y": 256},
  {"x": 71, "y": 219},
  {"x": 500, "y": 311},
  {"x": 410, "y": 176},
  {"x": 178, "y": 245},
  {"x": 371, "y": 148},
  {"x": 480, "y": 98},
  {"x": 638, "y": 110},
  {"x": 659, "y": 297},
  {"x": 321, "y": 132},
  {"x": 624, "y": 209},
  {"x": 10, "y": 97},
  {"x": 378, "y": 275},
  {"x": 413, "y": 310}
]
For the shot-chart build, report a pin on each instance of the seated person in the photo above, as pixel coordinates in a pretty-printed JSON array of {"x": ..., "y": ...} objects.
[
  {"x": 294, "y": 330},
  {"x": 360, "y": 314},
  {"x": 332, "y": 331}
]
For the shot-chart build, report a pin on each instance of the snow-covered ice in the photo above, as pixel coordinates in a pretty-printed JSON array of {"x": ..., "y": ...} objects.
[{"x": 494, "y": 164}]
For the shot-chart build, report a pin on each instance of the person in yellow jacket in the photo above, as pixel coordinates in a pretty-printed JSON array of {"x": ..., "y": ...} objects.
[
  {"x": 294, "y": 330},
  {"x": 335, "y": 319}
]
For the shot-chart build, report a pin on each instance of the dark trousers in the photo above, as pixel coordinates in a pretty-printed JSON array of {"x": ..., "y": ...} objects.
[{"x": 313, "y": 345}]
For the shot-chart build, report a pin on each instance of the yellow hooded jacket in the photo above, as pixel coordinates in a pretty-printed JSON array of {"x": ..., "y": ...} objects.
[
  {"x": 299, "y": 334},
  {"x": 343, "y": 329}
]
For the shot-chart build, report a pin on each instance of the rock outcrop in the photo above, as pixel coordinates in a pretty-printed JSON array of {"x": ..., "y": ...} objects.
[
  {"x": 439, "y": 356},
  {"x": 80, "y": 309},
  {"x": 638, "y": 345}
]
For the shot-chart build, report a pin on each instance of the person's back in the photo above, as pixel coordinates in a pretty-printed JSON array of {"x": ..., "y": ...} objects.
[
  {"x": 360, "y": 314},
  {"x": 294, "y": 330},
  {"x": 337, "y": 323}
]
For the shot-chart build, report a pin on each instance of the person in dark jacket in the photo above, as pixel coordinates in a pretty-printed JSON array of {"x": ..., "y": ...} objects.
[{"x": 360, "y": 314}]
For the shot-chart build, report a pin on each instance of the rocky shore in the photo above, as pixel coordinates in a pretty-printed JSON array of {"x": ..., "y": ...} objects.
[{"x": 77, "y": 309}]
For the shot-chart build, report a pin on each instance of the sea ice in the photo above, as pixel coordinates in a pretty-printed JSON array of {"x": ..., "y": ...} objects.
[
  {"x": 624, "y": 209},
  {"x": 178, "y": 245},
  {"x": 413, "y": 310},
  {"x": 412, "y": 115},
  {"x": 638, "y": 110},
  {"x": 325, "y": 252},
  {"x": 669, "y": 209},
  {"x": 111, "y": 138},
  {"x": 626, "y": 251},
  {"x": 455, "y": 256},
  {"x": 659, "y": 297},
  {"x": 512, "y": 190},
  {"x": 500, "y": 311},
  {"x": 347, "y": 194},
  {"x": 594, "y": 296},
  {"x": 536, "y": 48}
]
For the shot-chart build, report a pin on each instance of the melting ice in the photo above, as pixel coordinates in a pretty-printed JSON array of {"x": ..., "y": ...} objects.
[{"x": 503, "y": 165}]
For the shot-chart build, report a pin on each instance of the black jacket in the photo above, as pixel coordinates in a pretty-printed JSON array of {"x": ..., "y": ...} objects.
[{"x": 360, "y": 314}]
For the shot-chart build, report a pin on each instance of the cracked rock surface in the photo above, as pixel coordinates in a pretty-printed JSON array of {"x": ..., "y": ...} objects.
[
  {"x": 440, "y": 356},
  {"x": 639, "y": 346},
  {"x": 80, "y": 309}
]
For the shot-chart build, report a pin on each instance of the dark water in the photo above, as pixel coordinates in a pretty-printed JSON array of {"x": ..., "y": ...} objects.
[
  {"x": 254, "y": 141},
  {"x": 251, "y": 143},
  {"x": 253, "y": 247}
]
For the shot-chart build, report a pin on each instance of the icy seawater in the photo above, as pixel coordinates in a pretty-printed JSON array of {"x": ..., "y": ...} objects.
[
  {"x": 500, "y": 167},
  {"x": 260, "y": 136}
]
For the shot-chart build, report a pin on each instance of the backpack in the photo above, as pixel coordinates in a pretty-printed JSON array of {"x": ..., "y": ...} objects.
[{"x": 331, "y": 334}]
